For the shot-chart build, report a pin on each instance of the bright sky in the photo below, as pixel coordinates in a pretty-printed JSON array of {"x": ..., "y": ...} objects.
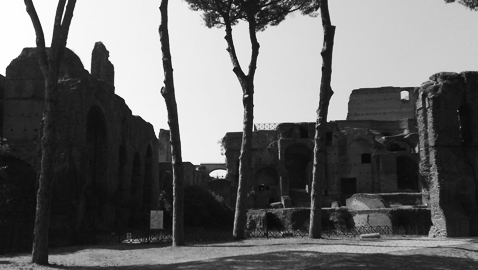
[{"x": 377, "y": 43}]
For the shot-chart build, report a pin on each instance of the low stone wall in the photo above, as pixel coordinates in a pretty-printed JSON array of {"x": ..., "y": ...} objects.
[
  {"x": 298, "y": 218},
  {"x": 402, "y": 198}
]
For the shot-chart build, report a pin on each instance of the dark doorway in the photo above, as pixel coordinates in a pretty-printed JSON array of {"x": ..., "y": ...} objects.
[
  {"x": 96, "y": 191},
  {"x": 296, "y": 159},
  {"x": 348, "y": 187},
  {"x": 407, "y": 173}
]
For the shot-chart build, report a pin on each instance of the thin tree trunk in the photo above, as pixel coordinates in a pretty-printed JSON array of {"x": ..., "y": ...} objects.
[
  {"x": 247, "y": 85},
  {"x": 169, "y": 97},
  {"x": 50, "y": 67},
  {"x": 320, "y": 150}
]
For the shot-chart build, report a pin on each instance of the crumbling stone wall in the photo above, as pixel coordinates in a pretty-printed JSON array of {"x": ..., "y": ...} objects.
[
  {"x": 384, "y": 103},
  {"x": 362, "y": 156},
  {"x": 107, "y": 171},
  {"x": 447, "y": 114}
]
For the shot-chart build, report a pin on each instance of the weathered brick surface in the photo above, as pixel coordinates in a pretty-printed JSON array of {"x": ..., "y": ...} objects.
[
  {"x": 107, "y": 164},
  {"x": 447, "y": 114}
]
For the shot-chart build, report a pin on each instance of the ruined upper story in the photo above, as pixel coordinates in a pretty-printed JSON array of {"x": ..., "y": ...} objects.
[
  {"x": 383, "y": 103},
  {"x": 81, "y": 93}
]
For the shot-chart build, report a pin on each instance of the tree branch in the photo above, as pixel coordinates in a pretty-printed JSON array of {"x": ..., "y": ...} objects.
[
  {"x": 65, "y": 28},
  {"x": 254, "y": 44},
  {"x": 232, "y": 52},
  {"x": 40, "y": 37}
]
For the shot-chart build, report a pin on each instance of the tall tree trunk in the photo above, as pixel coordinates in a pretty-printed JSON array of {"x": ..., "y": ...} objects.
[
  {"x": 320, "y": 150},
  {"x": 47, "y": 174},
  {"x": 169, "y": 97},
  {"x": 244, "y": 167},
  {"x": 247, "y": 85},
  {"x": 50, "y": 66}
]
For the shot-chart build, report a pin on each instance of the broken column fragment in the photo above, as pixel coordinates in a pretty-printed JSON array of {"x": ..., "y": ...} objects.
[{"x": 447, "y": 114}]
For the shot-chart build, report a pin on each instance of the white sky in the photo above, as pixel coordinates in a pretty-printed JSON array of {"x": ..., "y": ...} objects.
[{"x": 377, "y": 43}]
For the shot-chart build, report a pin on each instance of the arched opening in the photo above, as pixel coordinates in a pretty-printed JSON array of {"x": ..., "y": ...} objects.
[
  {"x": 218, "y": 174},
  {"x": 296, "y": 159},
  {"x": 407, "y": 173},
  {"x": 17, "y": 186},
  {"x": 17, "y": 204},
  {"x": 96, "y": 191}
]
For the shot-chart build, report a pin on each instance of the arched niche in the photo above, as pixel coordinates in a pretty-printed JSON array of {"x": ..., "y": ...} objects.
[
  {"x": 97, "y": 141},
  {"x": 97, "y": 184}
]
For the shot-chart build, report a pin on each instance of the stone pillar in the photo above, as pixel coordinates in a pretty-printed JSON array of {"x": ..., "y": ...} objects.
[
  {"x": 101, "y": 67},
  {"x": 444, "y": 167}
]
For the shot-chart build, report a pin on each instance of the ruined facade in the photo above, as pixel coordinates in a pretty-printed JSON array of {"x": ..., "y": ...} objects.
[
  {"x": 192, "y": 176},
  {"x": 447, "y": 113},
  {"x": 365, "y": 154},
  {"x": 107, "y": 167}
]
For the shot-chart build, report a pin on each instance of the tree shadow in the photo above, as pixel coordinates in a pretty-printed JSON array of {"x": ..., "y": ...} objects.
[{"x": 314, "y": 260}]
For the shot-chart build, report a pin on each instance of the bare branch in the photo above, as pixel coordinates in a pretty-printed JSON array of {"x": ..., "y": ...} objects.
[
  {"x": 65, "y": 28},
  {"x": 57, "y": 25},
  {"x": 40, "y": 37}
]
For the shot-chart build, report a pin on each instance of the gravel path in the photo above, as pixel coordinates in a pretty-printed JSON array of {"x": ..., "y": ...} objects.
[{"x": 286, "y": 253}]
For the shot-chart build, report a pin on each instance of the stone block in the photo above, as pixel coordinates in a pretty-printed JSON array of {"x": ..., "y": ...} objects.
[{"x": 362, "y": 201}]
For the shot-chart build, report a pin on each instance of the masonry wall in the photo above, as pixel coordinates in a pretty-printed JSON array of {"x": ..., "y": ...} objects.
[
  {"x": 448, "y": 127},
  {"x": 107, "y": 165},
  {"x": 363, "y": 156},
  {"x": 384, "y": 103}
]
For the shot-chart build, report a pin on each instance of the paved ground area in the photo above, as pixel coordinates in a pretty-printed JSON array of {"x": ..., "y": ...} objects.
[{"x": 288, "y": 253}]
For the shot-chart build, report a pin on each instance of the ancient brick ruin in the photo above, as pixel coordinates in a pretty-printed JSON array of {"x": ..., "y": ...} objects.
[
  {"x": 447, "y": 112},
  {"x": 369, "y": 155},
  {"x": 108, "y": 159}
]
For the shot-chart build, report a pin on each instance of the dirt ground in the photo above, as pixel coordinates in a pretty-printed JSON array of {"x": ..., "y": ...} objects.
[{"x": 411, "y": 253}]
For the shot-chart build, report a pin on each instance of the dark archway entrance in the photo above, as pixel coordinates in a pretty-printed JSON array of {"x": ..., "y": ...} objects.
[
  {"x": 297, "y": 157},
  {"x": 17, "y": 204},
  {"x": 96, "y": 191},
  {"x": 407, "y": 173}
]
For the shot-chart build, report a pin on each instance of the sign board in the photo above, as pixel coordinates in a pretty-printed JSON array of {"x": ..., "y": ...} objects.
[{"x": 156, "y": 220}]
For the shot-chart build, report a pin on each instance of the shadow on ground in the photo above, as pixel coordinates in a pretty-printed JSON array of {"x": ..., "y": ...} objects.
[{"x": 453, "y": 258}]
